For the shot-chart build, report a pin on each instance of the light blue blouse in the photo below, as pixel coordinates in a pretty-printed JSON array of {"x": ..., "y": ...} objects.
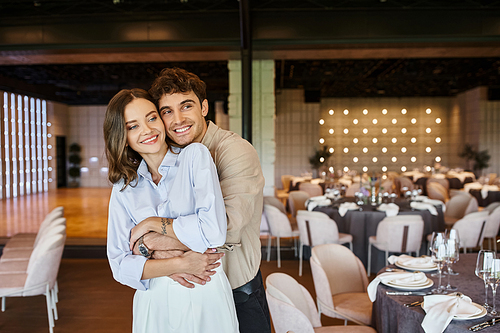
[{"x": 188, "y": 192}]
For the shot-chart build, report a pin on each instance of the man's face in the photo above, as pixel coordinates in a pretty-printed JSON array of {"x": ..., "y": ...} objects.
[{"x": 183, "y": 117}]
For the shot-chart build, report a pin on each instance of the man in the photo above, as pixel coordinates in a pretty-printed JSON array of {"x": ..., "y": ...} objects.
[{"x": 181, "y": 98}]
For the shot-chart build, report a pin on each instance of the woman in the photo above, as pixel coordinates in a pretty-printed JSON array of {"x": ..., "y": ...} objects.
[{"x": 152, "y": 179}]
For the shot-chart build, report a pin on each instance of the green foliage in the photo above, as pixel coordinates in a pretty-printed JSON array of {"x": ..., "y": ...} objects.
[
  {"x": 74, "y": 160},
  {"x": 480, "y": 158},
  {"x": 315, "y": 160},
  {"x": 74, "y": 172}
]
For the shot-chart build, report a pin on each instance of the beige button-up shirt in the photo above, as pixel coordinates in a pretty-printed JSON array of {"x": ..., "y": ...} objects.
[{"x": 242, "y": 184}]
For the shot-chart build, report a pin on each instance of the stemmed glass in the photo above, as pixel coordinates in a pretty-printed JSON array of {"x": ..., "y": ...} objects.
[
  {"x": 438, "y": 255},
  {"x": 435, "y": 235},
  {"x": 483, "y": 266},
  {"x": 452, "y": 253},
  {"x": 493, "y": 278},
  {"x": 453, "y": 234}
]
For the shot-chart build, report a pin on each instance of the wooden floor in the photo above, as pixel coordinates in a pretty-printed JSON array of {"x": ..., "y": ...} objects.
[{"x": 90, "y": 300}]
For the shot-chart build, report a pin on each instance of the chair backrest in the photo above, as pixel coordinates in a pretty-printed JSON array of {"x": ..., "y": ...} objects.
[
  {"x": 492, "y": 223},
  {"x": 443, "y": 181},
  {"x": 492, "y": 206},
  {"x": 316, "y": 228},
  {"x": 388, "y": 186},
  {"x": 400, "y": 183},
  {"x": 285, "y": 288},
  {"x": 47, "y": 227},
  {"x": 457, "y": 205},
  {"x": 273, "y": 201},
  {"x": 437, "y": 191},
  {"x": 313, "y": 190},
  {"x": 471, "y": 229},
  {"x": 278, "y": 222},
  {"x": 351, "y": 190},
  {"x": 285, "y": 181},
  {"x": 336, "y": 269},
  {"x": 401, "y": 233},
  {"x": 45, "y": 266},
  {"x": 472, "y": 207},
  {"x": 287, "y": 317},
  {"x": 297, "y": 201}
]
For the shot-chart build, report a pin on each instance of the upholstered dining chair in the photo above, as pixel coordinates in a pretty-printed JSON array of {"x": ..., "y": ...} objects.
[
  {"x": 471, "y": 229},
  {"x": 318, "y": 228},
  {"x": 313, "y": 190},
  {"x": 292, "y": 308},
  {"x": 437, "y": 191},
  {"x": 280, "y": 227},
  {"x": 491, "y": 207},
  {"x": 491, "y": 227},
  {"x": 340, "y": 282},
  {"x": 443, "y": 181},
  {"x": 459, "y": 206},
  {"x": 402, "y": 182},
  {"x": 39, "y": 278},
  {"x": 297, "y": 201},
  {"x": 399, "y": 234},
  {"x": 352, "y": 189}
]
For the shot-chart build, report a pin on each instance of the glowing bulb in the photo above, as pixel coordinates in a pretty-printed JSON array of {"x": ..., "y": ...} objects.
[
  {"x": 365, "y": 169},
  {"x": 384, "y": 111},
  {"x": 346, "y": 131},
  {"x": 438, "y": 159},
  {"x": 374, "y": 140},
  {"x": 403, "y": 130},
  {"x": 355, "y": 160},
  {"x": 321, "y": 121},
  {"x": 438, "y": 120},
  {"x": 428, "y": 149},
  {"x": 321, "y": 159},
  {"x": 331, "y": 150},
  {"x": 413, "y": 140},
  {"x": 331, "y": 112},
  {"x": 403, "y": 168},
  {"x": 321, "y": 140},
  {"x": 365, "y": 112},
  {"x": 428, "y": 130},
  {"x": 384, "y": 150},
  {"x": 346, "y": 112},
  {"x": 355, "y": 140},
  {"x": 413, "y": 159},
  {"x": 413, "y": 120},
  {"x": 331, "y": 131},
  {"x": 374, "y": 160},
  {"x": 394, "y": 121},
  {"x": 394, "y": 159},
  {"x": 394, "y": 140},
  {"x": 403, "y": 111},
  {"x": 365, "y": 130},
  {"x": 346, "y": 169},
  {"x": 438, "y": 140},
  {"x": 384, "y": 169},
  {"x": 428, "y": 111},
  {"x": 330, "y": 169},
  {"x": 365, "y": 150},
  {"x": 403, "y": 150},
  {"x": 374, "y": 121},
  {"x": 384, "y": 130},
  {"x": 355, "y": 121},
  {"x": 346, "y": 150}
]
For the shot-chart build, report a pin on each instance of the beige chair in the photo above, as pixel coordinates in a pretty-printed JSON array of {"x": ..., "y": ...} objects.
[
  {"x": 471, "y": 230},
  {"x": 491, "y": 227},
  {"x": 351, "y": 190},
  {"x": 318, "y": 228},
  {"x": 458, "y": 206},
  {"x": 437, "y": 191},
  {"x": 340, "y": 282},
  {"x": 400, "y": 183},
  {"x": 285, "y": 181},
  {"x": 442, "y": 181},
  {"x": 280, "y": 227},
  {"x": 388, "y": 186},
  {"x": 292, "y": 308},
  {"x": 313, "y": 190},
  {"x": 491, "y": 207},
  {"x": 399, "y": 234},
  {"x": 297, "y": 201},
  {"x": 39, "y": 278}
]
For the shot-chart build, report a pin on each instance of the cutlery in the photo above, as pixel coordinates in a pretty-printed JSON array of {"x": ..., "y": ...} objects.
[
  {"x": 488, "y": 323},
  {"x": 410, "y": 305},
  {"x": 407, "y": 293}
]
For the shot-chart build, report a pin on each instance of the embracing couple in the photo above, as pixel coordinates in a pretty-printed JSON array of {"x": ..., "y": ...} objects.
[{"x": 184, "y": 212}]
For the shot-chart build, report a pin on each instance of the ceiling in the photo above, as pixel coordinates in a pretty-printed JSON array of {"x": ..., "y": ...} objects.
[{"x": 321, "y": 72}]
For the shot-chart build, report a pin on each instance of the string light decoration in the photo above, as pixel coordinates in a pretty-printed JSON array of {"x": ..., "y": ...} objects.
[{"x": 395, "y": 139}]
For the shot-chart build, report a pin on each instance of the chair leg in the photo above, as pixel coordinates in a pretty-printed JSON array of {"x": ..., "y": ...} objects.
[
  {"x": 56, "y": 288},
  {"x": 54, "y": 305},
  {"x": 495, "y": 244},
  {"x": 295, "y": 246},
  {"x": 269, "y": 247},
  {"x": 279, "y": 251},
  {"x": 3, "y": 304},
  {"x": 301, "y": 253},
  {"x": 345, "y": 322},
  {"x": 49, "y": 309},
  {"x": 386, "y": 257},
  {"x": 418, "y": 252},
  {"x": 368, "y": 272},
  {"x": 350, "y": 246}
]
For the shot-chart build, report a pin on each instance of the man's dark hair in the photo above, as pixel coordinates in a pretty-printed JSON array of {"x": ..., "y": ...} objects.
[{"x": 178, "y": 80}]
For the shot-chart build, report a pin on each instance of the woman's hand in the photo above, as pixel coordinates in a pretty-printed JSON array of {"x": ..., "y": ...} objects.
[
  {"x": 142, "y": 228},
  {"x": 199, "y": 264}
]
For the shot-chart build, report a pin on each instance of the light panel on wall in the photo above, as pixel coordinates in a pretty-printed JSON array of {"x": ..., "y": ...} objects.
[
  {"x": 331, "y": 112},
  {"x": 403, "y": 168},
  {"x": 428, "y": 130},
  {"x": 438, "y": 140},
  {"x": 438, "y": 159},
  {"x": 413, "y": 140},
  {"x": 365, "y": 169},
  {"x": 384, "y": 130},
  {"x": 403, "y": 130},
  {"x": 355, "y": 159},
  {"x": 394, "y": 121},
  {"x": 331, "y": 131},
  {"x": 428, "y": 111},
  {"x": 403, "y": 149},
  {"x": 413, "y": 120},
  {"x": 365, "y": 130},
  {"x": 346, "y": 112},
  {"x": 394, "y": 140},
  {"x": 374, "y": 140},
  {"x": 374, "y": 121},
  {"x": 404, "y": 111},
  {"x": 438, "y": 120},
  {"x": 384, "y": 168},
  {"x": 413, "y": 159},
  {"x": 394, "y": 159},
  {"x": 384, "y": 111},
  {"x": 428, "y": 149},
  {"x": 365, "y": 150},
  {"x": 374, "y": 160},
  {"x": 321, "y": 140},
  {"x": 355, "y": 121},
  {"x": 321, "y": 121},
  {"x": 384, "y": 150},
  {"x": 331, "y": 150},
  {"x": 365, "y": 112},
  {"x": 355, "y": 140},
  {"x": 346, "y": 150},
  {"x": 346, "y": 131},
  {"x": 346, "y": 169}
]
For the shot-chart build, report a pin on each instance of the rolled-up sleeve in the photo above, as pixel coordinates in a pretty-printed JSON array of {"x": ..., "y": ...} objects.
[
  {"x": 127, "y": 268},
  {"x": 207, "y": 226}
]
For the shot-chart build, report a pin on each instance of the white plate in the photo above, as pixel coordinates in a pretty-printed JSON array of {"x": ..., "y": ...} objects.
[
  {"x": 429, "y": 283},
  {"x": 413, "y": 268},
  {"x": 414, "y": 284},
  {"x": 476, "y": 316}
]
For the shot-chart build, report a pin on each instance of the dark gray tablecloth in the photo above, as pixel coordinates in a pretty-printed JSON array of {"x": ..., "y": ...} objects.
[
  {"x": 493, "y": 196},
  {"x": 363, "y": 224},
  {"x": 390, "y": 316}
]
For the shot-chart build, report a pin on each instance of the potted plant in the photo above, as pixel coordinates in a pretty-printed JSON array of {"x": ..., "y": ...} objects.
[
  {"x": 319, "y": 159},
  {"x": 480, "y": 158},
  {"x": 74, "y": 160}
]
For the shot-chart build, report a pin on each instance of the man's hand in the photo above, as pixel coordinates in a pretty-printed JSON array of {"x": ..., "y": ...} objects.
[{"x": 154, "y": 241}]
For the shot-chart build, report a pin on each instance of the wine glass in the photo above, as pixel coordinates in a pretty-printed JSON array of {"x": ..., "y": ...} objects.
[
  {"x": 435, "y": 235},
  {"x": 452, "y": 253},
  {"x": 438, "y": 255},
  {"x": 492, "y": 277},
  {"x": 483, "y": 265},
  {"x": 453, "y": 234}
]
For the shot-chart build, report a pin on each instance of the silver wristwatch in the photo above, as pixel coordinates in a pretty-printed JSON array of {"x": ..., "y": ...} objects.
[{"x": 143, "y": 248}]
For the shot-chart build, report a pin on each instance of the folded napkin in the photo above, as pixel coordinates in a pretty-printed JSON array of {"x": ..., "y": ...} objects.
[
  {"x": 486, "y": 188},
  {"x": 390, "y": 209},
  {"x": 436, "y": 202},
  {"x": 424, "y": 206},
  {"x": 440, "y": 310},
  {"x": 345, "y": 181},
  {"x": 421, "y": 197},
  {"x": 402, "y": 278},
  {"x": 321, "y": 200},
  {"x": 344, "y": 207},
  {"x": 406, "y": 260}
]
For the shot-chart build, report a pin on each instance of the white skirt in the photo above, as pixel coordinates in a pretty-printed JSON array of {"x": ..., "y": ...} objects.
[{"x": 168, "y": 307}]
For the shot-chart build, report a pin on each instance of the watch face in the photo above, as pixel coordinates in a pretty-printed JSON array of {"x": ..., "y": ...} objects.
[{"x": 143, "y": 249}]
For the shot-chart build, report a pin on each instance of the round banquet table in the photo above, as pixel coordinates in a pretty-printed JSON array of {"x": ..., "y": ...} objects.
[
  {"x": 493, "y": 196},
  {"x": 363, "y": 224},
  {"x": 391, "y": 316}
]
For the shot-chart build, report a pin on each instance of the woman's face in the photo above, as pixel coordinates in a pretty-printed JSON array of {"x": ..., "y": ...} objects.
[{"x": 145, "y": 129}]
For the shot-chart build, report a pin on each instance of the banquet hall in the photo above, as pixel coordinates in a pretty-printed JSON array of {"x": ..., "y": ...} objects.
[{"x": 366, "y": 109}]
